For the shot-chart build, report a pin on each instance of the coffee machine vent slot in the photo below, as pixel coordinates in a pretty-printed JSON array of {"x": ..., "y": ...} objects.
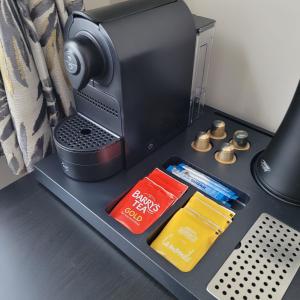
[
  {"x": 79, "y": 134},
  {"x": 98, "y": 104}
]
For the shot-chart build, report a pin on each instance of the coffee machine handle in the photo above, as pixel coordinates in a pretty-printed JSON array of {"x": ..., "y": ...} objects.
[{"x": 79, "y": 58}]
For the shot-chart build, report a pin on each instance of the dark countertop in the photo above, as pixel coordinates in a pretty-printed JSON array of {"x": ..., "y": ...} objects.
[{"x": 47, "y": 252}]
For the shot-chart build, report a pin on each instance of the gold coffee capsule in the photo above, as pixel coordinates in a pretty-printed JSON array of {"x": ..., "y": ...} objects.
[
  {"x": 240, "y": 140},
  {"x": 226, "y": 154},
  {"x": 217, "y": 130},
  {"x": 202, "y": 142}
]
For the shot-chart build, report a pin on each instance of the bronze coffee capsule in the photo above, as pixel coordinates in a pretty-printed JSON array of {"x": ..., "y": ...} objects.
[
  {"x": 202, "y": 142},
  {"x": 217, "y": 130},
  {"x": 226, "y": 154}
]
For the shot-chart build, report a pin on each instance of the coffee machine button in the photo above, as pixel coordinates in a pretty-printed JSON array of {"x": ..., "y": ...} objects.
[{"x": 71, "y": 63}]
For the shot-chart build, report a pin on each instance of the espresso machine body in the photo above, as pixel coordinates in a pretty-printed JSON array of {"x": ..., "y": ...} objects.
[{"x": 131, "y": 67}]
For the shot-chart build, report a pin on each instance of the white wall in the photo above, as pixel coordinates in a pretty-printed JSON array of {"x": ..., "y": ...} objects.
[
  {"x": 90, "y": 4},
  {"x": 256, "y": 58}
]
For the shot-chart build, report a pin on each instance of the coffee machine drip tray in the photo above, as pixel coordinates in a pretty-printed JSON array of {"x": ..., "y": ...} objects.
[
  {"x": 263, "y": 266},
  {"x": 87, "y": 151}
]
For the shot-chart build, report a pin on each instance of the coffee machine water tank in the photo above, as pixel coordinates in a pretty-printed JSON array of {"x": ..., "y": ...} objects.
[{"x": 277, "y": 169}]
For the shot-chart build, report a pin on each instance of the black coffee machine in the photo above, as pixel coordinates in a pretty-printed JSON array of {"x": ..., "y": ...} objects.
[{"x": 131, "y": 67}]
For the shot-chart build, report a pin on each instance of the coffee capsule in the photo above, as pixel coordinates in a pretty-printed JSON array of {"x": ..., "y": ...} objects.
[
  {"x": 202, "y": 142},
  {"x": 217, "y": 130},
  {"x": 240, "y": 140},
  {"x": 226, "y": 154}
]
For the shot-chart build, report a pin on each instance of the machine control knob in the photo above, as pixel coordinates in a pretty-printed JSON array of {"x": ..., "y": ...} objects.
[
  {"x": 217, "y": 130},
  {"x": 202, "y": 142},
  {"x": 226, "y": 154},
  {"x": 72, "y": 64},
  {"x": 240, "y": 140}
]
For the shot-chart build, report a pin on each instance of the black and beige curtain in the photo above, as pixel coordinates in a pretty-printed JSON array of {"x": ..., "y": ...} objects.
[{"x": 34, "y": 90}]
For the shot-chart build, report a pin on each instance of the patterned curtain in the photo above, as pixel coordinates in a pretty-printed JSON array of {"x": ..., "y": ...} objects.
[{"x": 34, "y": 90}]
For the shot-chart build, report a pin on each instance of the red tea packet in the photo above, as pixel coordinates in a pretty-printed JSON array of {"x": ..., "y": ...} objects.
[
  {"x": 147, "y": 201},
  {"x": 167, "y": 182}
]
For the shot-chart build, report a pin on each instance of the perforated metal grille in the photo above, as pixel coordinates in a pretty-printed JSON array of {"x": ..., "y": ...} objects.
[
  {"x": 79, "y": 134},
  {"x": 99, "y": 104},
  {"x": 263, "y": 266}
]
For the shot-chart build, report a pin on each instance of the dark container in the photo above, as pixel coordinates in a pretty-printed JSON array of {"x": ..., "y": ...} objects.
[{"x": 277, "y": 169}]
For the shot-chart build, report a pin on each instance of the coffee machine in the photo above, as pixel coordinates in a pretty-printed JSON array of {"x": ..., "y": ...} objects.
[{"x": 131, "y": 68}]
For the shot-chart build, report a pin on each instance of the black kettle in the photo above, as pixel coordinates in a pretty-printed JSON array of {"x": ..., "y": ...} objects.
[{"x": 277, "y": 169}]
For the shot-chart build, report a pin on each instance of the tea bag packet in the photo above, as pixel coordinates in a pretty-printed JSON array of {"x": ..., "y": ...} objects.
[
  {"x": 201, "y": 205},
  {"x": 167, "y": 182},
  {"x": 213, "y": 205},
  {"x": 147, "y": 201},
  {"x": 185, "y": 240},
  {"x": 192, "y": 231},
  {"x": 204, "y": 219}
]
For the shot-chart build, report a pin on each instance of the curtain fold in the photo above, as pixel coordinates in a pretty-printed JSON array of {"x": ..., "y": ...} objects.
[
  {"x": 34, "y": 91},
  {"x": 8, "y": 137}
]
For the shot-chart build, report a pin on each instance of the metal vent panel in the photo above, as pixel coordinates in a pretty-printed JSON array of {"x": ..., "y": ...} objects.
[
  {"x": 99, "y": 104},
  {"x": 79, "y": 134},
  {"x": 263, "y": 266}
]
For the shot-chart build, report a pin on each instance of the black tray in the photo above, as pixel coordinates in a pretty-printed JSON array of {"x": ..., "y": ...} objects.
[{"x": 92, "y": 200}]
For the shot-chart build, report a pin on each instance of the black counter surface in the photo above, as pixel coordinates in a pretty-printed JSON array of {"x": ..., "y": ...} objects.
[{"x": 47, "y": 252}]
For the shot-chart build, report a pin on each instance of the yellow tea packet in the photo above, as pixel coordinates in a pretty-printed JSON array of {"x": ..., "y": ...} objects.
[
  {"x": 213, "y": 205},
  {"x": 215, "y": 214},
  {"x": 204, "y": 219},
  {"x": 185, "y": 240}
]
